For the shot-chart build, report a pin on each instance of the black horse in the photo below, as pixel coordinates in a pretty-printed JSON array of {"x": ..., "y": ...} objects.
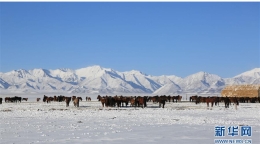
[{"x": 227, "y": 102}]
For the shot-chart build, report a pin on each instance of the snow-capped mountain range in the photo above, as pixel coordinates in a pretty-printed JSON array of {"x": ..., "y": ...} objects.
[{"x": 96, "y": 79}]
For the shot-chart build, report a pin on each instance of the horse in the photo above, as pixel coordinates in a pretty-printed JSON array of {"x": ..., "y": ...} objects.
[
  {"x": 227, "y": 102},
  {"x": 253, "y": 99},
  {"x": 25, "y": 99},
  {"x": 169, "y": 98},
  {"x": 217, "y": 100},
  {"x": 198, "y": 99},
  {"x": 44, "y": 98},
  {"x": 234, "y": 100},
  {"x": 175, "y": 98},
  {"x": 210, "y": 100},
  {"x": 141, "y": 101},
  {"x": 162, "y": 101},
  {"x": 247, "y": 99},
  {"x": 125, "y": 100},
  {"x": 17, "y": 99},
  {"x": 118, "y": 101},
  {"x": 73, "y": 97},
  {"x": 60, "y": 98},
  {"x": 110, "y": 101},
  {"x": 38, "y": 99},
  {"x": 80, "y": 98},
  {"x": 1, "y": 99},
  {"x": 13, "y": 99},
  {"x": 102, "y": 100},
  {"x": 132, "y": 101},
  {"x": 7, "y": 99},
  {"x": 49, "y": 99},
  {"x": 154, "y": 99},
  {"x": 55, "y": 98},
  {"x": 76, "y": 102},
  {"x": 88, "y": 99},
  {"x": 67, "y": 100},
  {"x": 179, "y": 98},
  {"x": 193, "y": 98}
]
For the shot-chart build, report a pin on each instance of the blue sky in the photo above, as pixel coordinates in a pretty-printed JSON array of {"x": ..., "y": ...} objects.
[{"x": 156, "y": 38}]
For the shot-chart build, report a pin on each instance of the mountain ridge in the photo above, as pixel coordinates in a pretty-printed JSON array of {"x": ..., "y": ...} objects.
[{"x": 96, "y": 79}]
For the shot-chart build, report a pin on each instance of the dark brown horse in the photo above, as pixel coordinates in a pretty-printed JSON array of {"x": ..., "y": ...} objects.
[
  {"x": 162, "y": 101},
  {"x": 7, "y": 99},
  {"x": 234, "y": 100},
  {"x": 141, "y": 101},
  {"x": 25, "y": 99},
  {"x": 210, "y": 100},
  {"x": 44, "y": 98},
  {"x": 67, "y": 100},
  {"x": 193, "y": 98},
  {"x": 1, "y": 99},
  {"x": 38, "y": 99}
]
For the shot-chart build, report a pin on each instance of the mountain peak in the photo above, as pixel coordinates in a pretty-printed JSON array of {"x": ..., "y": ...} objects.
[
  {"x": 251, "y": 73},
  {"x": 202, "y": 72},
  {"x": 64, "y": 69},
  {"x": 198, "y": 74},
  {"x": 97, "y": 67},
  {"x": 39, "y": 72},
  {"x": 256, "y": 70},
  {"x": 91, "y": 70},
  {"x": 20, "y": 73},
  {"x": 135, "y": 72}
]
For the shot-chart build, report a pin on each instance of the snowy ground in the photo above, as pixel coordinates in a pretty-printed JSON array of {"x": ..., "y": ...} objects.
[{"x": 180, "y": 123}]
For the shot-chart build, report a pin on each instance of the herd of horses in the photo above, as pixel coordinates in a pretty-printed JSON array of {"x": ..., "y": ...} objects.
[
  {"x": 136, "y": 101},
  {"x": 14, "y": 99},
  {"x": 139, "y": 101},
  {"x": 65, "y": 99},
  {"x": 227, "y": 100}
]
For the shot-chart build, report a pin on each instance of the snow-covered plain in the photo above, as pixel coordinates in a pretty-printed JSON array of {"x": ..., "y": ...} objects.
[{"x": 177, "y": 123}]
